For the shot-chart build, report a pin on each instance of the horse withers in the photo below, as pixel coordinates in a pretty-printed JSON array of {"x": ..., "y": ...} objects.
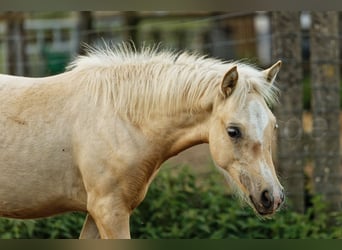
[{"x": 93, "y": 138}]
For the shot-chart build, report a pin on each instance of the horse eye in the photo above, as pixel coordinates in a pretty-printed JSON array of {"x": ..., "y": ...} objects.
[
  {"x": 234, "y": 132},
  {"x": 276, "y": 126}
]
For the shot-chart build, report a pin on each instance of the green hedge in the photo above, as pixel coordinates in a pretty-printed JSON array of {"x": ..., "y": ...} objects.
[{"x": 178, "y": 206}]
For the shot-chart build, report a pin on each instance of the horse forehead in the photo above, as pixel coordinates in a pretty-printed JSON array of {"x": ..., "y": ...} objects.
[{"x": 259, "y": 118}]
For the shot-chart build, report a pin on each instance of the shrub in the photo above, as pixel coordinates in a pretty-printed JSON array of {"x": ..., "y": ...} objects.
[
  {"x": 66, "y": 226},
  {"x": 178, "y": 207}
]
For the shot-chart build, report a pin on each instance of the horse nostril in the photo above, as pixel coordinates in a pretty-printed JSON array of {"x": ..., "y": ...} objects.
[{"x": 267, "y": 199}]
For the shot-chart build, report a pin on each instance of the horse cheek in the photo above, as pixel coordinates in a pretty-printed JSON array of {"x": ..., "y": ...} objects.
[{"x": 221, "y": 151}]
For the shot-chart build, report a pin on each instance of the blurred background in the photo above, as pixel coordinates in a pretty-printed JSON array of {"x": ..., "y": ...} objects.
[
  {"x": 307, "y": 153},
  {"x": 41, "y": 43}
]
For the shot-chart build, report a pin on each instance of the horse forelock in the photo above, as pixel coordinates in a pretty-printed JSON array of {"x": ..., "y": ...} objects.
[{"x": 139, "y": 84}]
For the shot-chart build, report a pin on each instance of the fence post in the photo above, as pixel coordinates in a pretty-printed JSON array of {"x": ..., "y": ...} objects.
[
  {"x": 324, "y": 42},
  {"x": 84, "y": 30},
  {"x": 131, "y": 19},
  {"x": 286, "y": 45},
  {"x": 16, "y": 49}
]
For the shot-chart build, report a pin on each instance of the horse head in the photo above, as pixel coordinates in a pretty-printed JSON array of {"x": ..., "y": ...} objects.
[{"x": 241, "y": 135}]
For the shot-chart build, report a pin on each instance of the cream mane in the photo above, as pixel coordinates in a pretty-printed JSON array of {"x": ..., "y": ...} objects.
[{"x": 140, "y": 84}]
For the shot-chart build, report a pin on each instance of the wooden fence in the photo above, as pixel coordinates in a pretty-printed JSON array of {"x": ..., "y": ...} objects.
[{"x": 322, "y": 146}]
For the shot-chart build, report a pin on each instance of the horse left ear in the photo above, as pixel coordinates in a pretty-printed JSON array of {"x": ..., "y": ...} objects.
[
  {"x": 229, "y": 82},
  {"x": 271, "y": 73}
]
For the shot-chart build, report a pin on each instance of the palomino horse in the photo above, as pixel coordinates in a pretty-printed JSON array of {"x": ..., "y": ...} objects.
[{"x": 93, "y": 138}]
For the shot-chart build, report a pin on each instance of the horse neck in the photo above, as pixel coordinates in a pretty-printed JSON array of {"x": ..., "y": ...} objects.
[
  {"x": 184, "y": 127},
  {"x": 176, "y": 133}
]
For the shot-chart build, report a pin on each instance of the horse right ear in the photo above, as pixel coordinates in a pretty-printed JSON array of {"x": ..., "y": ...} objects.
[
  {"x": 271, "y": 73},
  {"x": 229, "y": 82}
]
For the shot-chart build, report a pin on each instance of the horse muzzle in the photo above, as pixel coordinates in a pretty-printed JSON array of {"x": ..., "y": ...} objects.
[{"x": 268, "y": 202}]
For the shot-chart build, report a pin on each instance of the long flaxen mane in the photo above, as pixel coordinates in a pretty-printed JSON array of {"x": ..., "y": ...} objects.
[{"x": 150, "y": 82}]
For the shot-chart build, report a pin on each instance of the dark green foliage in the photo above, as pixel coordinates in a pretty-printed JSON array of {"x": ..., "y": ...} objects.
[
  {"x": 66, "y": 226},
  {"x": 177, "y": 206}
]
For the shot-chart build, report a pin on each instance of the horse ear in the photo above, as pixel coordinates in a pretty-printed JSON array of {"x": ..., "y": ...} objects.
[
  {"x": 271, "y": 73},
  {"x": 229, "y": 81}
]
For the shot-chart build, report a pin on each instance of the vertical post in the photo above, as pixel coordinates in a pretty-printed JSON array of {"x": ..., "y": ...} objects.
[
  {"x": 286, "y": 45},
  {"x": 131, "y": 20},
  {"x": 324, "y": 42},
  {"x": 85, "y": 26},
  {"x": 16, "y": 53}
]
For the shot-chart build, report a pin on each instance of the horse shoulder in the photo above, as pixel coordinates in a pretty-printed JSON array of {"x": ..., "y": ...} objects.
[{"x": 115, "y": 158}]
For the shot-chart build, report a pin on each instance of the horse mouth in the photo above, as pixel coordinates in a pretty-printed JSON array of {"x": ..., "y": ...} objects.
[{"x": 260, "y": 209}]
